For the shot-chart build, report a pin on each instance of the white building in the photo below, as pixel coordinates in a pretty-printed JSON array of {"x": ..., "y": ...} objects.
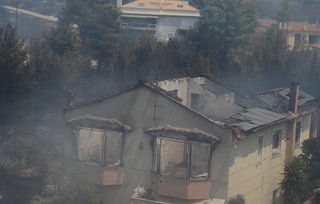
[{"x": 163, "y": 17}]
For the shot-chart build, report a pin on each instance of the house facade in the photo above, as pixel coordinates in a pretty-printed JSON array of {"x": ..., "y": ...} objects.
[
  {"x": 146, "y": 144},
  {"x": 161, "y": 17},
  {"x": 301, "y": 34}
]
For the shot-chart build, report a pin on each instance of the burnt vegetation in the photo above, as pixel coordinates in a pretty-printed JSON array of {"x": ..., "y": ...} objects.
[{"x": 89, "y": 54}]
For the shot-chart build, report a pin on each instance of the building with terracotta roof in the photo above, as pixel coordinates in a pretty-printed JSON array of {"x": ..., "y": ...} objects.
[
  {"x": 161, "y": 17},
  {"x": 315, "y": 46},
  {"x": 301, "y": 34}
]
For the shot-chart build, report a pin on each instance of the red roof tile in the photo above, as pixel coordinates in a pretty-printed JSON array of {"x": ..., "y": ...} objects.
[
  {"x": 316, "y": 45},
  {"x": 301, "y": 26},
  {"x": 158, "y": 4}
]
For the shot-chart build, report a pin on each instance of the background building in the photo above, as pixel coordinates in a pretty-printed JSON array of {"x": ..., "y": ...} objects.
[{"x": 161, "y": 17}]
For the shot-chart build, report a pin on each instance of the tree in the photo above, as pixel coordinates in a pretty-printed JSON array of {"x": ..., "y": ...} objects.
[
  {"x": 238, "y": 199},
  {"x": 71, "y": 188},
  {"x": 311, "y": 156},
  {"x": 19, "y": 160},
  {"x": 284, "y": 15},
  {"x": 222, "y": 33},
  {"x": 14, "y": 75},
  {"x": 292, "y": 185},
  {"x": 63, "y": 40},
  {"x": 301, "y": 175},
  {"x": 98, "y": 24}
]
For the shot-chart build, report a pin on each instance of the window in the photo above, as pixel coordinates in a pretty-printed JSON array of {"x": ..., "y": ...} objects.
[
  {"x": 275, "y": 195},
  {"x": 298, "y": 133},
  {"x": 124, "y": 25},
  {"x": 200, "y": 157},
  {"x": 90, "y": 145},
  {"x": 100, "y": 146},
  {"x": 173, "y": 93},
  {"x": 174, "y": 158},
  {"x": 276, "y": 143},
  {"x": 297, "y": 40},
  {"x": 140, "y": 4},
  {"x": 181, "y": 158},
  {"x": 113, "y": 148},
  {"x": 313, "y": 39},
  {"x": 260, "y": 149},
  {"x": 197, "y": 102},
  {"x": 171, "y": 21},
  {"x": 179, "y": 6}
]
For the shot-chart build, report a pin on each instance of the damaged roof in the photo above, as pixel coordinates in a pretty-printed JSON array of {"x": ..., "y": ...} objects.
[
  {"x": 270, "y": 108},
  {"x": 119, "y": 91},
  {"x": 149, "y": 85},
  {"x": 279, "y": 99},
  {"x": 252, "y": 118}
]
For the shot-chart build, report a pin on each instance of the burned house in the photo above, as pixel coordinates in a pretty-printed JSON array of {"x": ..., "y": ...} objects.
[{"x": 163, "y": 143}]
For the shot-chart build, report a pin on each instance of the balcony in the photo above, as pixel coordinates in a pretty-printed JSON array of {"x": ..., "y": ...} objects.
[
  {"x": 180, "y": 188},
  {"x": 139, "y": 26},
  {"x": 104, "y": 176}
]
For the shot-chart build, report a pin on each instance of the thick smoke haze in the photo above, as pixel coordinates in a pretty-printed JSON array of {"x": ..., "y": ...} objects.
[{"x": 33, "y": 122}]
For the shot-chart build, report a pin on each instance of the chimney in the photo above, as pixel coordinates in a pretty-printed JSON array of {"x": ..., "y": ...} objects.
[
  {"x": 291, "y": 128},
  {"x": 305, "y": 26},
  {"x": 68, "y": 98},
  {"x": 293, "y": 98}
]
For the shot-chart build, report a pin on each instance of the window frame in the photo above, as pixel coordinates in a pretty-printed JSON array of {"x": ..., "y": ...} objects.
[
  {"x": 197, "y": 101},
  {"x": 277, "y": 153},
  {"x": 297, "y": 143},
  {"x": 157, "y": 157},
  {"x": 171, "y": 21},
  {"x": 260, "y": 156},
  {"x": 104, "y": 140}
]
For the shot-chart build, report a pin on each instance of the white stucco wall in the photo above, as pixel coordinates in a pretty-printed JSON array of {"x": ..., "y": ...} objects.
[
  {"x": 215, "y": 106},
  {"x": 168, "y": 25},
  {"x": 290, "y": 39}
]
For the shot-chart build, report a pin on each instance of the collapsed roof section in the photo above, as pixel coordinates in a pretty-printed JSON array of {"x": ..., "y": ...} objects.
[
  {"x": 149, "y": 85},
  {"x": 252, "y": 118},
  {"x": 278, "y": 99},
  {"x": 268, "y": 108}
]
